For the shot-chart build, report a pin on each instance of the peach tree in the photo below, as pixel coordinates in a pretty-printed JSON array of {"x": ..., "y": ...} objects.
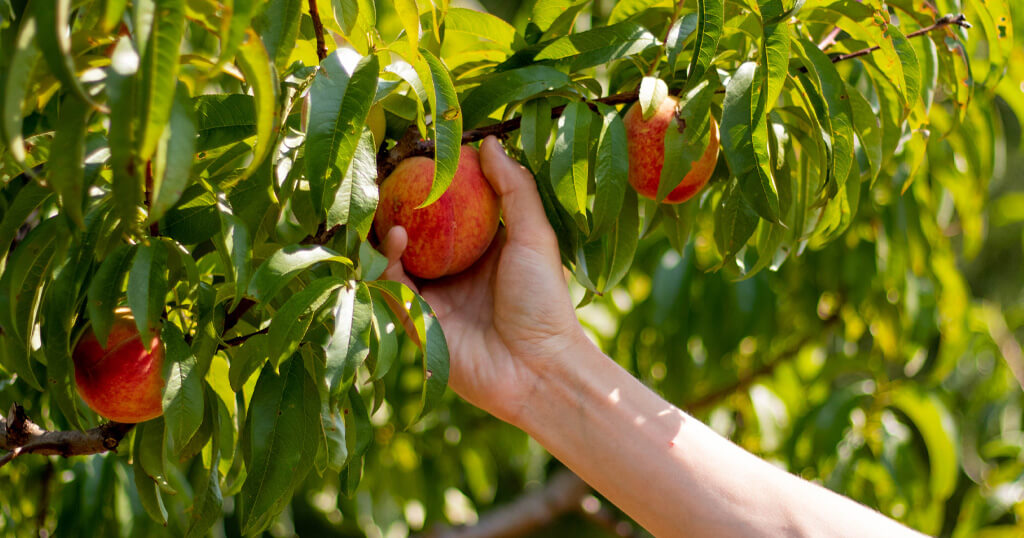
[{"x": 835, "y": 291}]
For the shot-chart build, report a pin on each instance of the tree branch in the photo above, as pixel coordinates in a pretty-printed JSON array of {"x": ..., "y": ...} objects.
[
  {"x": 946, "y": 20},
  {"x": 411, "y": 145},
  {"x": 536, "y": 509},
  {"x": 318, "y": 29},
  {"x": 19, "y": 435}
]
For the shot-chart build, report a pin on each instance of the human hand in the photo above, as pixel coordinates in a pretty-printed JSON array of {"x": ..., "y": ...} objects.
[{"x": 509, "y": 317}]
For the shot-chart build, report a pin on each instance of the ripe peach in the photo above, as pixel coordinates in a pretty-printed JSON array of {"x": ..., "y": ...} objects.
[
  {"x": 120, "y": 381},
  {"x": 645, "y": 143},
  {"x": 447, "y": 236}
]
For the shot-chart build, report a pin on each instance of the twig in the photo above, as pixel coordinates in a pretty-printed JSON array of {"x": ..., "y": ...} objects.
[
  {"x": 19, "y": 435},
  {"x": 946, "y": 20},
  {"x": 318, "y": 29},
  {"x": 238, "y": 340}
]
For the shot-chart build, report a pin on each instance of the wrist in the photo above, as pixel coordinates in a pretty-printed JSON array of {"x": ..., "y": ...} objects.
[{"x": 562, "y": 380}]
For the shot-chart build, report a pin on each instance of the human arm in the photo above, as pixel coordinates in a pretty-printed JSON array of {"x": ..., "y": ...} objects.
[{"x": 519, "y": 352}]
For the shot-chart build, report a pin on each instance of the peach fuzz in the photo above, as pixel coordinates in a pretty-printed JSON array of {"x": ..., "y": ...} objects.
[
  {"x": 120, "y": 381},
  {"x": 645, "y": 144},
  {"x": 449, "y": 235}
]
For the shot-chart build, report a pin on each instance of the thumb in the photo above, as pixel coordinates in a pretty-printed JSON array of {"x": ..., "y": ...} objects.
[{"x": 521, "y": 207}]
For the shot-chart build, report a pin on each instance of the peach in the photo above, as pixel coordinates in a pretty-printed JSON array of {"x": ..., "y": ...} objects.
[
  {"x": 121, "y": 380},
  {"x": 645, "y": 144},
  {"x": 447, "y": 236}
]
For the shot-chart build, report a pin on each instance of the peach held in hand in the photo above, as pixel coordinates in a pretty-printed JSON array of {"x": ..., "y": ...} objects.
[
  {"x": 645, "y": 143},
  {"x": 447, "y": 236},
  {"x": 121, "y": 380}
]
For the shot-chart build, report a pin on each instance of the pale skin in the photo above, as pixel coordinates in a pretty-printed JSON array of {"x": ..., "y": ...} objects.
[{"x": 519, "y": 352}]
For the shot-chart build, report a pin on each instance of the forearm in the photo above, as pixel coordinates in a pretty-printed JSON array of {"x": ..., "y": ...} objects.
[{"x": 669, "y": 471}]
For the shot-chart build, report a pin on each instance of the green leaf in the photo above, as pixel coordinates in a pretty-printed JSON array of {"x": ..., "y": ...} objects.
[
  {"x": 909, "y": 62},
  {"x": 611, "y": 171},
  {"x": 340, "y": 99},
  {"x": 105, "y": 289},
  {"x": 147, "y": 286},
  {"x": 356, "y": 200},
  {"x": 283, "y": 426},
  {"x": 384, "y": 344},
  {"x": 236, "y": 242},
  {"x": 146, "y": 486},
  {"x": 208, "y": 503},
  {"x": 183, "y": 394},
  {"x": 290, "y": 323},
  {"x": 735, "y": 222},
  {"x": 19, "y": 77},
  {"x": 599, "y": 46},
  {"x": 447, "y": 127},
  {"x": 30, "y": 197},
  {"x": 194, "y": 218},
  {"x": 652, "y": 92},
  {"x": 278, "y": 27},
  {"x": 236, "y": 31},
  {"x": 349, "y": 344},
  {"x": 122, "y": 85},
  {"x": 159, "y": 70},
  {"x": 745, "y": 140},
  {"x": 774, "y": 60},
  {"x": 410, "y": 17},
  {"x": 246, "y": 360},
  {"x": 430, "y": 339},
  {"x": 535, "y": 130},
  {"x": 112, "y": 12},
  {"x": 371, "y": 262},
  {"x": 54, "y": 40},
  {"x": 678, "y": 222},
  {"x": 710, "y": 19},
  {"x": 334, "y": 434},
  {"x": 63, "y": 299},
  {"x": 546, "y": 12},
  {"x": 359, "y": 430},
  {"x": 868, "y": 129},
  {"x": 151, "y": 452},
  {"x": 837, "y": 117},
  {"x": 629, "y": 8},
  {"x": 173, "y": 158},
  {"x": 565, "y": 13},
  {"x": 622, "y": 242},
  {"x": 939, "y": 432},
  {"x": 22, "y": 285},
  {"x": 223, "y": 119},
  {"x": 481, "y": 25},
  {"x": 677, "y": 36},
  {"x": 687, "y": 136},
  {"x": 66, "y": 168},
  {"x": 570, "y": 161},
  {"x": 275, "y": 273},
  {"x": 508, "y": 86},
  {"x": 262, "y": 77}
]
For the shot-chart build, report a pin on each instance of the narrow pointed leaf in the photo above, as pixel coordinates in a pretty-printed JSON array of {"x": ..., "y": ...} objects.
[
  {"x": 159, "y": 70},
  {"x": 447, "y": 126},
  {"x": 350, "y": 340},
  {"x": 340, "y": 99},
  {"x": 570, "y": 161},
  {"x": 183, "y": 393},
  {"x": 356, "y": 200},
  {"x": 284, "y": 430}
]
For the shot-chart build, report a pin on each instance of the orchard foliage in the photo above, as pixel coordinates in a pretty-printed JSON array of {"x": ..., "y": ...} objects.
[{"x": 838, "y": 299}]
